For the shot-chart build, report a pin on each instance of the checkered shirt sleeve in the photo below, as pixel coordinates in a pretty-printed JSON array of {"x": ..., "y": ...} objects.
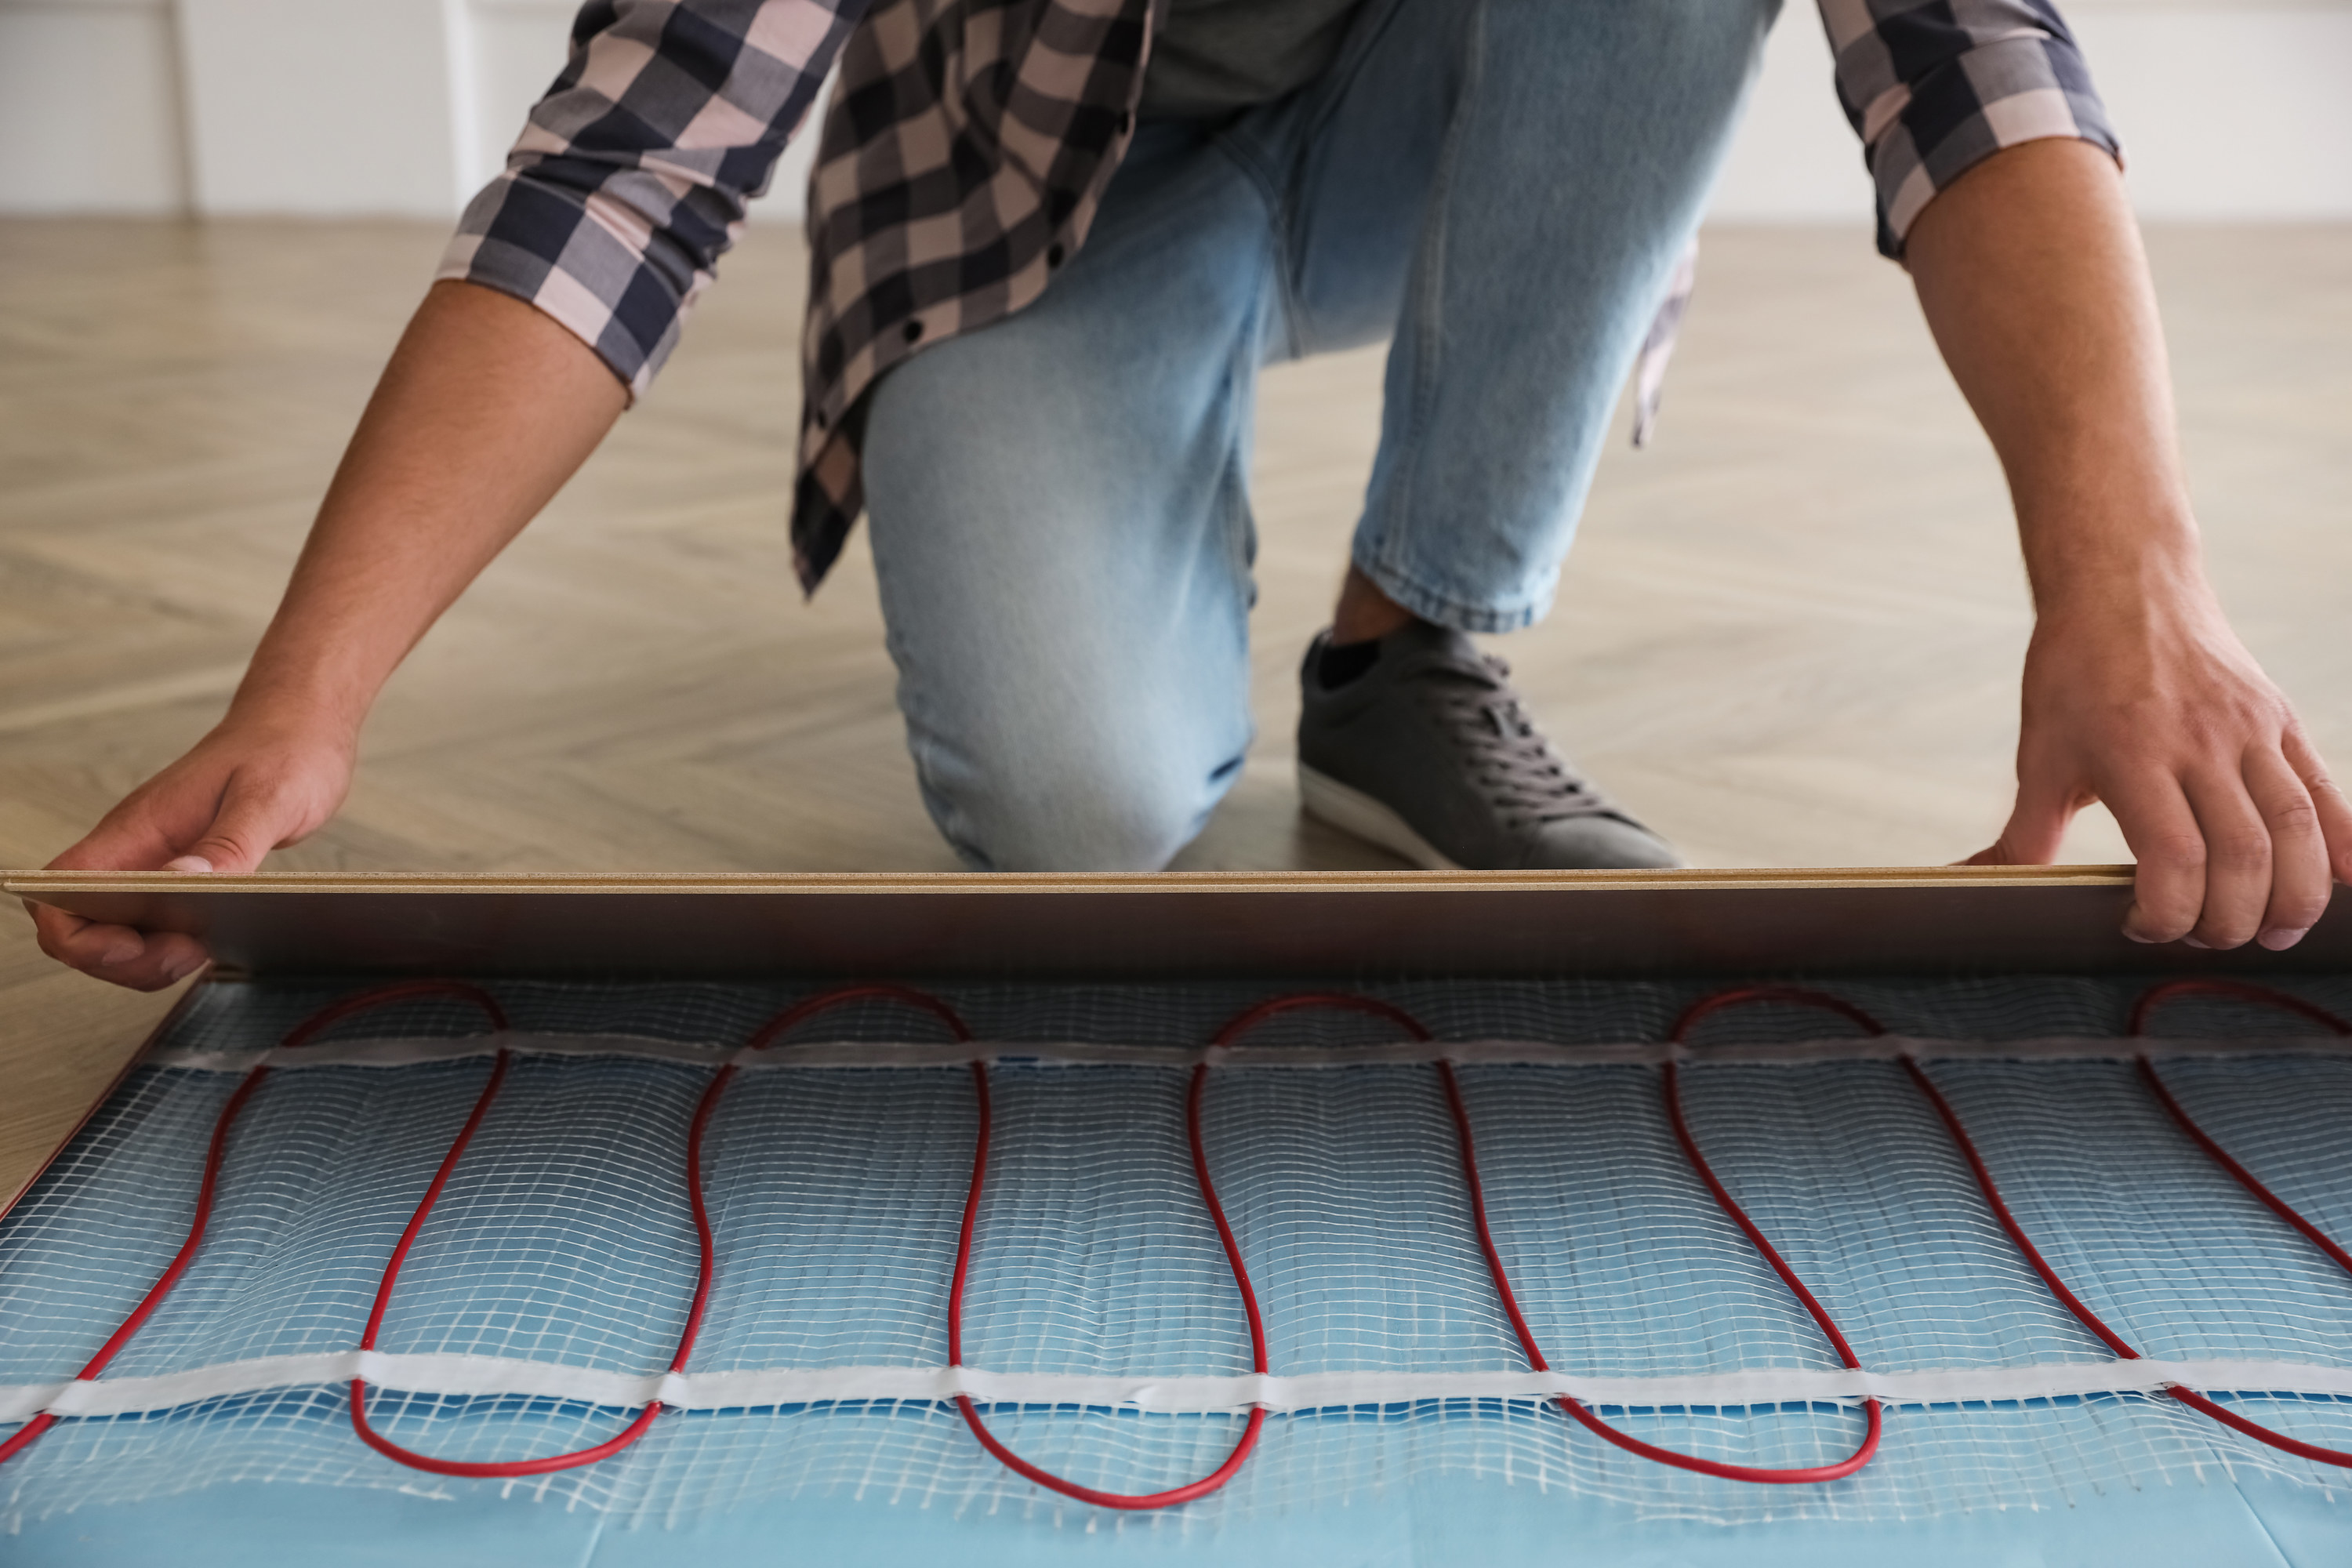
[
  {"x": 1935, "y": 87},
  {"x": 631, "y": 176}
]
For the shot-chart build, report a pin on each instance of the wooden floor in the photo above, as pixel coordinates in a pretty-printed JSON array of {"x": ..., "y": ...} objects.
[{"x": 1789, "y": 633}]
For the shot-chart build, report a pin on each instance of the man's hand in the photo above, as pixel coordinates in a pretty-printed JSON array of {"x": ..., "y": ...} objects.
[
  {"x": 245, "y": 789},
  {"x": 2136, "y": 691},
  {"x": 486, "y": 408},
  {"x": 2237, "y": 827}
]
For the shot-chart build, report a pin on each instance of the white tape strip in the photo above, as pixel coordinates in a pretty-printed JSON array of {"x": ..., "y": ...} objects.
[
  {"x": 400, "y": 1053},
  {"x": 465, "y": 1375}
]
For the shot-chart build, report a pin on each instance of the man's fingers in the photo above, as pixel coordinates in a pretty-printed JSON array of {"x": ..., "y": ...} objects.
[
  {"x": 2168, "y": 892},
  {"x": 94, "y": 947},
  {"x": 167, "y": 958},
  {"x": 248, "y": 825},
  {"x": 2237, "y": 860},
  {"x": 55, "y": 928},
  {"x": 2328, "y": 798},
  {"x": 143, "y": 962},
  {"x": 2300, "y": 879}
]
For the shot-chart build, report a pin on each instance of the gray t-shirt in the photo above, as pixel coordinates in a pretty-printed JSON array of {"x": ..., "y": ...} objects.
[{"x": 1212, "y": 57}]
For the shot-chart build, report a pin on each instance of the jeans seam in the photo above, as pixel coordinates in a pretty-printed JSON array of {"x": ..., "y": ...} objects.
[{"x": 1261, "y": 179}]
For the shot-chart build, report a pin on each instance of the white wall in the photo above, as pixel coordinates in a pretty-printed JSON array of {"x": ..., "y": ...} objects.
[
  {"x": 89, "y": 107},
  {"x": 326, "y": 106},
  {"x": 518, "y": 47},
  {"x": 2228, "y": 113},
  {"x": 2230, "y": 109}
]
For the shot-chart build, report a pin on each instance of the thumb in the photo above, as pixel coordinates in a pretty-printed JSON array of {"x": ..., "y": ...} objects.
[
  {"x": 248, "y": 825},
  {"x": 2036, "y": 826}
]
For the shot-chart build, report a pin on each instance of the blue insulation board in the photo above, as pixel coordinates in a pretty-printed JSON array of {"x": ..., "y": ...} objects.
[{"x": 1443, "y": 1523}]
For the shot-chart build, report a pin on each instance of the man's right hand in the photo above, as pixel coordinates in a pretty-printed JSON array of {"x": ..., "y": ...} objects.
[
  {"x": 247, "y": 788},
  {"x": 485, "y": 409}
]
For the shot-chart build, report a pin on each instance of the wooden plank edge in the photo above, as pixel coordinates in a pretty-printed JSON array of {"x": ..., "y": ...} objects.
[{"x": 36, "y": 884}]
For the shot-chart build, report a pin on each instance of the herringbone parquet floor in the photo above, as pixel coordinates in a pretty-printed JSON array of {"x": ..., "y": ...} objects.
[{"x": 1789, "y": 633}]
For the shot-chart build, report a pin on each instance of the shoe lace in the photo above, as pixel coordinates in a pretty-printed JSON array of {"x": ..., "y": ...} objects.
[{"x": 1511, "y": 761}]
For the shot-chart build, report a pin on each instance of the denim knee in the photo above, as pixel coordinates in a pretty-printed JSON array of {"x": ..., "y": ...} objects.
[{"x": 1069, "y": 814}]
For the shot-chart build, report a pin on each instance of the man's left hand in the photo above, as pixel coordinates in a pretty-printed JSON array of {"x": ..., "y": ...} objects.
[{"x": 2157, "y": 709}]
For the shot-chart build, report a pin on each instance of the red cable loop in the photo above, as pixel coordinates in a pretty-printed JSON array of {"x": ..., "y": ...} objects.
[
  {"x": 2236, "y": 991},
  {"x": 706, "y": 1266},
  {"x": 1706, "y": 1007},
  {"x": 1345, "y": 1002},
  {"x": 216, "y": 1149},
  {"x": 808, "y": 1007},
  {"x": 1129, "y": 1501},
  {"x": 2016, "y": 1232},
  {"x": 2239, "y": 991},
  {"x": 1671, "y": 1085},
  {"x": 2244, "y": 1178},
  {"x": 1952, "y": 1123},
  {"x": 1510, "y": 1298},
  {"x": 1748, "y": 996}
]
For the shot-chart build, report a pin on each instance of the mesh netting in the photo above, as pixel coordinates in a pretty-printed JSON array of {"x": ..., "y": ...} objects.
[{"x": 565, "y": 1240}]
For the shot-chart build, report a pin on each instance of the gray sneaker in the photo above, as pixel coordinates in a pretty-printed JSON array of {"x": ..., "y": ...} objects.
[{"x": 1429, "y": 752}]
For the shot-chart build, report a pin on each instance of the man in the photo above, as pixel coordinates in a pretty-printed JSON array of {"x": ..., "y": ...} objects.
[{"x": 1053, "y": 240}]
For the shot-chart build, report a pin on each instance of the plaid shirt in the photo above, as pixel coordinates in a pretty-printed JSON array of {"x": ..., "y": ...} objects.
[{"x": 967, "y": 146}]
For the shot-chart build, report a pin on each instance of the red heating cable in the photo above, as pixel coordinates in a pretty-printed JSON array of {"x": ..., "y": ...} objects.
[
  {"x": 301, "y": 1034},
  {"x": 1131, "y": 1501},
  {"x": 2241, "y": 991},
  {"x": 1671, "y": 1088},
  {"x": 705, "y": 1269},
  {"x": 2236, "y": 990},
  {"x": 1501, "y": 1277},
  {"x": 1799, "y": 996},
  {"x": 2009, "y": 1222},
  {"x": 311, "y": 1027}
]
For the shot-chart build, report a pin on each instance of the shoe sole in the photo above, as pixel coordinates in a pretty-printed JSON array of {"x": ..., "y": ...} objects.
[{"x": 1353, "y": 812}]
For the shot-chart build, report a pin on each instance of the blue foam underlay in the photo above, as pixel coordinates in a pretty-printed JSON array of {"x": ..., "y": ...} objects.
[{"x": 1442, "y": 1523}]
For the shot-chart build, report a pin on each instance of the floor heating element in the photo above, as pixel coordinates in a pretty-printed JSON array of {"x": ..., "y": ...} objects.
[{"x": 1060, "y": 1241}]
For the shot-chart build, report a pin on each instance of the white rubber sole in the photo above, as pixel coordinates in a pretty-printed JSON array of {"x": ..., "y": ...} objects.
[{"x": 1352, "y": 811}]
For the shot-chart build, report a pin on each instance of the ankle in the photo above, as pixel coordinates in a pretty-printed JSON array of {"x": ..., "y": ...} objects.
[{"x": 1364, "y": 613}]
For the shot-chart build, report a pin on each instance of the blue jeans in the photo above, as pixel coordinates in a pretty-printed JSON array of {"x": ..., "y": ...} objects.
[{"x": 1059, "y": 501}]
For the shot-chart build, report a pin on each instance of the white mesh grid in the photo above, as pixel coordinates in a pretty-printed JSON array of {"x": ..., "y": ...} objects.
[
  {"x": 835, "y": 1193},
  {"x": 1566, "y": 1011},
  {"x": 2153, "y": 1236}
]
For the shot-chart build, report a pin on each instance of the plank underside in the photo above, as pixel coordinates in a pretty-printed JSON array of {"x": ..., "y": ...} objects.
[
  {"x": 1921, "y": 921},
  {"x": 69, "y": 1038}
]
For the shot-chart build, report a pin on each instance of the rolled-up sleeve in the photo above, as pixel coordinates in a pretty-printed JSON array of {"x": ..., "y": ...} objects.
[
  {"x": 1935, "y": 87},
  {"x": 631, "y": 176}
]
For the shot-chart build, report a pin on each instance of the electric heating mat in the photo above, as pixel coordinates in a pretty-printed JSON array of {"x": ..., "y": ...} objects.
[{"x": 1869, "y": 1251}]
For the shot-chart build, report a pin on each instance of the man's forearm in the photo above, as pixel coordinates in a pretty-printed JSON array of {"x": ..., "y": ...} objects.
[
  {"x": 2136, "y": 691},
  {"x": 2030, "y": 272},
  {"x": 485, "y": 409}
]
